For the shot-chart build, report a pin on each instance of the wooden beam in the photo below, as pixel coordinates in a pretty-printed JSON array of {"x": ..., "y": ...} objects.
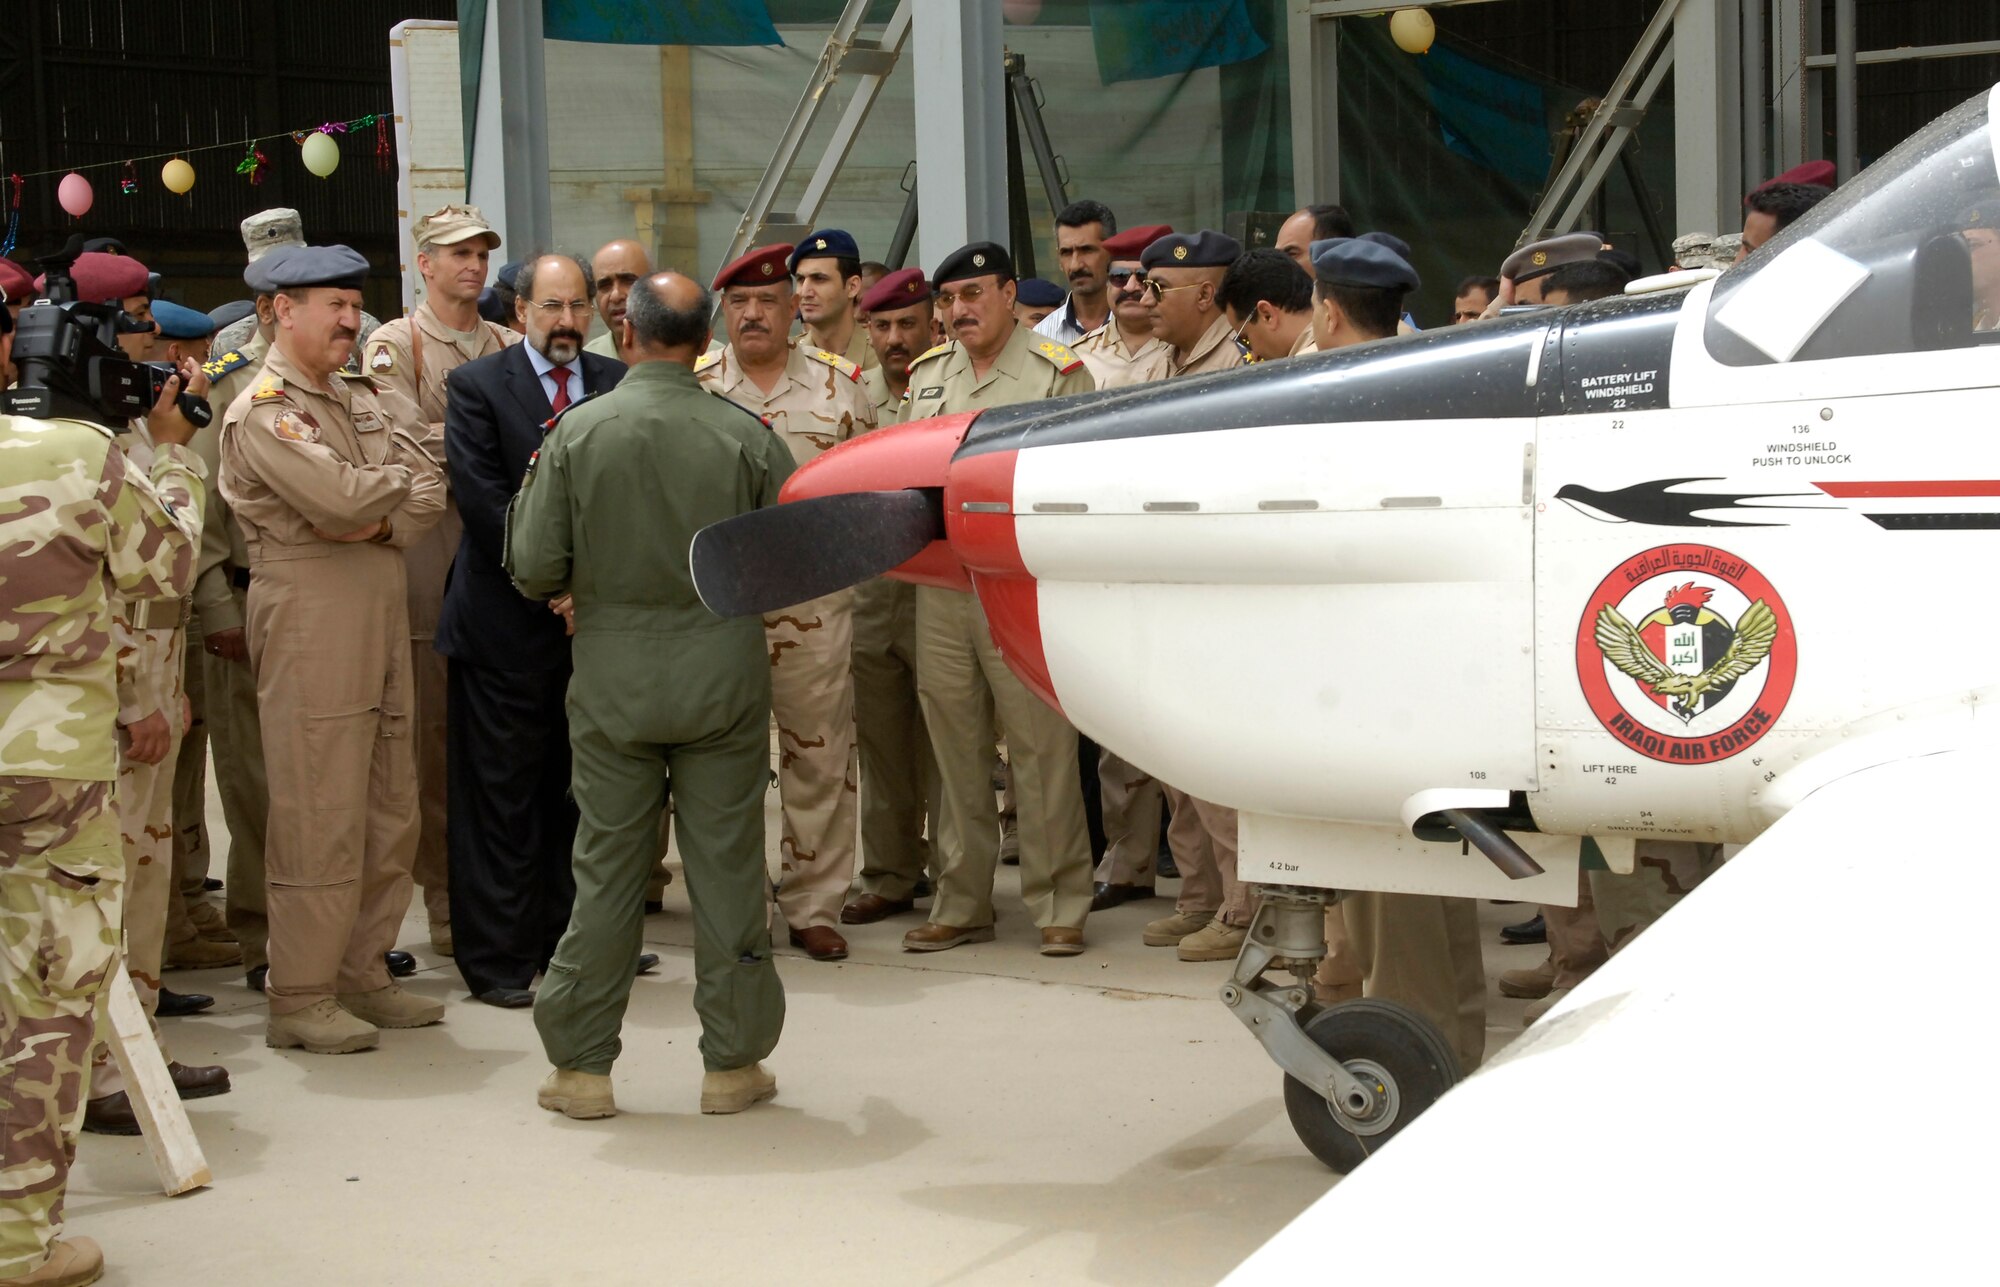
[
  {"x": 674, "y": 236},
  {"x": 177, "y": 1156}
]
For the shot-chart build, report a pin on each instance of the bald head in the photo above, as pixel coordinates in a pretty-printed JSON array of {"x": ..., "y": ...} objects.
[
  {"x": 617, "y": 265},
  {"x": 666, "y": 320}
]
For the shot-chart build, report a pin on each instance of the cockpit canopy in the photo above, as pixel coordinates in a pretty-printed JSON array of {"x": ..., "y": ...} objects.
[{"x": 1904, "y": 259}]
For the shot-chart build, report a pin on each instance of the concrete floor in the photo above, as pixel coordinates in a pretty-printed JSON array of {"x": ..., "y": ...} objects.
[{"x": 982, "y": 1115}]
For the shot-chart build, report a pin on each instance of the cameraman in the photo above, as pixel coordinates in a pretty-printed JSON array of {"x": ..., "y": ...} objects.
[{"x": 94, "y": 528}]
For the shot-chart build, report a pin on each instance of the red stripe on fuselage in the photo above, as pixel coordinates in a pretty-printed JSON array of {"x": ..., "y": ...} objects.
[
  {"x": 917, "y": 454},
  {"x": 986, "y": 544},
  {"x": 1920, "y": 488}
]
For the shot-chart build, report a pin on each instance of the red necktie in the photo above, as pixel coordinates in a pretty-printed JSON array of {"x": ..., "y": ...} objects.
[{"x": 560, "y": 402}]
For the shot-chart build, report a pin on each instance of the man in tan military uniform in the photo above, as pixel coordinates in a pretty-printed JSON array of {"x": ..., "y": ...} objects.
[
  {"x": 613, "y": 269},
  {"x": 899, "y": 787},
  {"x": 331, "y": 478},
  {"x": 826, "y": 273},
  {"x": 1116, "y": 351},
  {"x": 1419, "y": 949},
  {"x": 813, "y": 399},
  {"x": 992, "y": 361},
  {"x": 221, "y": 587},
  {"x": 412, "y": 355}
]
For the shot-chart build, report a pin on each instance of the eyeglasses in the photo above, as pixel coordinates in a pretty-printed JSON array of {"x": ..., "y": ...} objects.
[
  {"x": 947, "y": 298},
  {"x": 1154, "y": 286},
  {"x": 1119, "y": 276},
  {"x": 554, "y": 308}
]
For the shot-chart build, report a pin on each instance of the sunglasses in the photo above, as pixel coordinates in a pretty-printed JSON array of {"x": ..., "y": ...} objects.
[
  {"x": 1119, "y": 277},
  {"x": 1154, "y": 286}
]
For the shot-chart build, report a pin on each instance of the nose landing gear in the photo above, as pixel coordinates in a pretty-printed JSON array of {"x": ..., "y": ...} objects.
[{"x": 1356, "y": 1072}]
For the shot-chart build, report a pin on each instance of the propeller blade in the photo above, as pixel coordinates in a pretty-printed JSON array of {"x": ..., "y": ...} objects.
[{"x": 785, "y": 554}]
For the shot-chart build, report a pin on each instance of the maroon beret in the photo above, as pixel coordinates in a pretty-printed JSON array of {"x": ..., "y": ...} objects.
[
  {"x": 761, "y": 267},
  {"x": 1132, "y": 242},
  {"x": 15, "y": 283},
  {"x": 1820, "y": 174},
  {"x": 904, "y": 288},
  {"x": 105, "y": 279}
]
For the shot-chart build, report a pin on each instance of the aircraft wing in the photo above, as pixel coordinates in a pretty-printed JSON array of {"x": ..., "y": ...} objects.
[{"x": 1786, "y": 1078}]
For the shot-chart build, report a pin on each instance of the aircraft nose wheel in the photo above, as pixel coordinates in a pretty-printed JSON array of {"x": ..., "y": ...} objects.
[{"x": 1401, "y": 1062}]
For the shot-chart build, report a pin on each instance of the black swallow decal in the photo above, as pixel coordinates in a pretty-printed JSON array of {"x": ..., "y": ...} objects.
[{"x": 1655, "y": 504}]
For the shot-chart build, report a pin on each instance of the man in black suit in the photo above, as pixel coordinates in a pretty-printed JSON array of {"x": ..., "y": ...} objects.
[{"x": 510, "y": 821}]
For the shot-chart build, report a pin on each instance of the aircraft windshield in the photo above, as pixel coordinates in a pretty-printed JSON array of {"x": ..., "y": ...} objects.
[{"x": 1905, "y": 258}]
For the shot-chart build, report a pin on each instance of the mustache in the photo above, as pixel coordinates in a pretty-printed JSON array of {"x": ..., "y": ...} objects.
[
  {"x": 565, "y": 333},
  {"x": 1080, "y": 274},
  {"x": 342, "y": 333}
]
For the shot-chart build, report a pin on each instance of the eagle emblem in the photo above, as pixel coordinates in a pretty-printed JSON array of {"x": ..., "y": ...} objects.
[{"x": 1669, "y": 652}]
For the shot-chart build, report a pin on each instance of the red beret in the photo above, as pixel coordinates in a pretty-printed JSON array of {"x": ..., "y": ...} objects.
[
  {"x": 904, "y": 288},
  {"x": 15, "y": 282},
  {"x": 105, "y": 279},
  {"x": 760, "y": 267},
  {"x": 1132, "y": 242},
  {"x": 1818, "y": 173}
]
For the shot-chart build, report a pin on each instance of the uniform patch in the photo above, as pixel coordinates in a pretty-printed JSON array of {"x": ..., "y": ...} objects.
[
  {"x": 223, "y": 365},
  {"x": 295, "y": 426},
  {"x": 706, "y": 361},
  {"x": 267, "y": 388},
  {"x": 1686, "y": 654},
  {"x": 929, "y": 353},
  {"x": 381, "y": 360},
  {"x": 934, "y": 391}
]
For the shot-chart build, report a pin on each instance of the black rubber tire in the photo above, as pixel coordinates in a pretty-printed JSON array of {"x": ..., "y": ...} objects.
[{"x": 1404, "y": 1044}]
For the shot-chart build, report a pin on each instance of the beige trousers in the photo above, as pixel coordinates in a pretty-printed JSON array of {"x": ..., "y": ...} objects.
[
  {"x": 1423, "y": 951},
  {"x": 428, "y": 562},
  {"x": 1131, "y": 802},
  {"x": 963, "y": 684},
  {"x": 812, "y": 699},
  {"x": 899, "y": 780},
  {"x": 1203, "y": 838},
  {"x": 230, "y": 693}
]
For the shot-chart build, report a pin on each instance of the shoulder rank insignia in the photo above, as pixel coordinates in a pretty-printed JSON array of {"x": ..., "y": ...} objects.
[
  {"x": 707, "y": 360},
  {"x": 1059, "y": 354},
  {"x": 930, "y": 353},
  {"x": 837, "y": 362},
  {"x": 219, "y": 367},
  {"x": 381, "y": 359},
  {"x": 269, "y": 387}
]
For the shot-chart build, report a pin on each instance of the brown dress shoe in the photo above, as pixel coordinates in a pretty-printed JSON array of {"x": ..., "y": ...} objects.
[
  {"x": 869, "y": 908},
  {"x": 933, "y": 937},
  {"x": 110, "y": 1115},
  {"x": 1060, "y": 941},
  {"x": 199, "y": 1081},
  {"x": 821, "y": 942}
]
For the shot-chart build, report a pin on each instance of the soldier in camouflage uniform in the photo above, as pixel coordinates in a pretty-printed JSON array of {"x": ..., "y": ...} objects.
[
  {"x": 77, "y": 525},
  {"x": 814, "y": 400}
]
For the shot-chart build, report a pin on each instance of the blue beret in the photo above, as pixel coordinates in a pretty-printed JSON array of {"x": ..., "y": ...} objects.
[
  {"x": 180, "y": 323},
  {"x": 231, "y": 313},
  {"x": 1204, "y": 249},
  {"x": 980, "y": 259},
  {"x": 827, "y": 243},
  {"x": 508, "y": 272},
  {"x": 1037, "y": 293},
  {"x": 1356, "y": 261},
  {"x": 299, "y": 267},
  {"x": 1392, "y": 241}
]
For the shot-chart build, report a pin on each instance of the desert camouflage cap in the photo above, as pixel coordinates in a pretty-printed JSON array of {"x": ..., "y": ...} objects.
[
  {"x": 268, "y": 229},
  {"x": 449, "y": 225}
]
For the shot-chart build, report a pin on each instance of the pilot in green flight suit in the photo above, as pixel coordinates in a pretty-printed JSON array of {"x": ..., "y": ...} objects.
[{"x": 661, "y": 686}]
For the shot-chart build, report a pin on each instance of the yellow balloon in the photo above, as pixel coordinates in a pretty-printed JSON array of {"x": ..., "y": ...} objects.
[
  {"x": 1412, "y": 30},
  {"x": 320, "y": 153},
  {"x": 177, "y": 175}
]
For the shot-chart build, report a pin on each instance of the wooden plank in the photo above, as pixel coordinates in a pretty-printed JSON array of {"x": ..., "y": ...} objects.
[
  {"x": 177, "y": 1155},
  {"x": 674, "y": 236}
]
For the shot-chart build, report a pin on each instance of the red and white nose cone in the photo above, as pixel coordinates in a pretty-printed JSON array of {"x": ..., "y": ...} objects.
[{"x": 914, "y": 455}]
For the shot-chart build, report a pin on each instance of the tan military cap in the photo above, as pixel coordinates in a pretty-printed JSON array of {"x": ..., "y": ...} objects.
[
  {"x": 268, "y": 229},
  {"x": 1541, "y": 257},
  {"x": 452, "y": 224}
]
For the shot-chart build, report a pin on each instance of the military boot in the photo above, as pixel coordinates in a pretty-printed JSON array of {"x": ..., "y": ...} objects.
[
  {"x": 322, "y": 1028},
  {"x": 209, "y": 923},
  {"x": 392, "y": 1007},
  {"x": 1168, "y": 931},
  {"x": 72, "y": 1262},
  {"x": 734, "y": 1089},
  {"x": 1534, "y": 1010},
  {"x": 579, "y": 1095},
  {"x": 1212, "y": 942},
  {"x": 200, "y": 953},
  {"x": 1530, "y": 984}
]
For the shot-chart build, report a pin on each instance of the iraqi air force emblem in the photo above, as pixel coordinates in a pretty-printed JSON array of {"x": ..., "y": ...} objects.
[{"x": 1686, "y": 654}]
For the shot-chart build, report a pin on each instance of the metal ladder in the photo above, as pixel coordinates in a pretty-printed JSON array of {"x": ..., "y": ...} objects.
[{"x": 1583, "y": 170}]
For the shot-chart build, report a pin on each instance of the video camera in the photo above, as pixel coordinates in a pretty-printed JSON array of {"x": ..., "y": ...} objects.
[{"x": 69, "y": 362}]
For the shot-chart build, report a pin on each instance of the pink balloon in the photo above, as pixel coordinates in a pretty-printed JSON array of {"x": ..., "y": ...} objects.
[{"x": 74, "y": 194}]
